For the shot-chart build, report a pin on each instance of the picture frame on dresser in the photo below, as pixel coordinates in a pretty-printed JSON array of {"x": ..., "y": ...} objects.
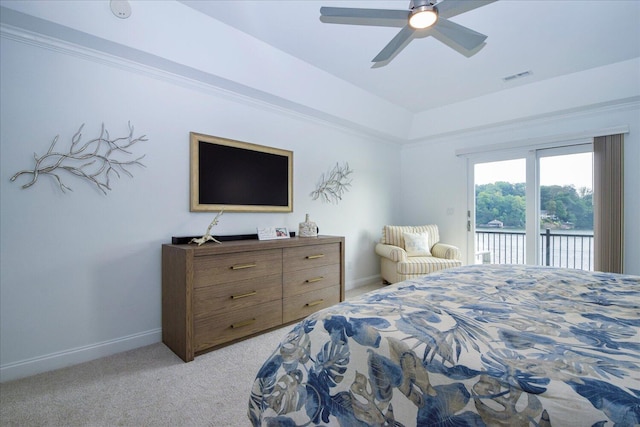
[{"x": 271, "y": 233}]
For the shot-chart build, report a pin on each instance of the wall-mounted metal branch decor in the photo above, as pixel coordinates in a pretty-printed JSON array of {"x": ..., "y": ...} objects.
[
  {"x": 92, "y": 160},
  {"x": 333, "y": 184}
]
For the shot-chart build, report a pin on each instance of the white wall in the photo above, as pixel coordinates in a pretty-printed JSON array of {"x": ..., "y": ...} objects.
[
  {"x": 80, "y": 272},
  {"x": 435, "y": 161}
]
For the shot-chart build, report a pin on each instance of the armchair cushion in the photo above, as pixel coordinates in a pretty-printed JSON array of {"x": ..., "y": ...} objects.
[
  {"x": 417, "y": 244},
  {"x": 419, "y": 266}
]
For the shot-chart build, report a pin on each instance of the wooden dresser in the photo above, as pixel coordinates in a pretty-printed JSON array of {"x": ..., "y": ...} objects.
[{"x": 217, "y": 293}]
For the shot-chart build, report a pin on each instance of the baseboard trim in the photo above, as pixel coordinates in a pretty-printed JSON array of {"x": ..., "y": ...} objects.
[{"x": 63, "y": 359}]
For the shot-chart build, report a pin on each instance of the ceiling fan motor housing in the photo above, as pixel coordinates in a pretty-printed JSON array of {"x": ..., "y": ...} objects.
[
  {"x": 419, "y": 3},
  {"x": 423, "y": 14}
]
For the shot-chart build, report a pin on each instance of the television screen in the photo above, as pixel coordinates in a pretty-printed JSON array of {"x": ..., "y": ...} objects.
[{"x": 238, "y": 176}]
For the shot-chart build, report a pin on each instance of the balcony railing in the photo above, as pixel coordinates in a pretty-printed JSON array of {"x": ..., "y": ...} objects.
[{"x": 567, "y": 249}]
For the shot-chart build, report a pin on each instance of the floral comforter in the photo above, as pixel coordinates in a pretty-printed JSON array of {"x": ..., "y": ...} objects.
[{"x": 470, "y": 346}]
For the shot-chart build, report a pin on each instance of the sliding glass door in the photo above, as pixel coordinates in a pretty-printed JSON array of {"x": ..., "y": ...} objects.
[
  {"x": 566, "y": 209},
  {"x": 536, "y": 208}
]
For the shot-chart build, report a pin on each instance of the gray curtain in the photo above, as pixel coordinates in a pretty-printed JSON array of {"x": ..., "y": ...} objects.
[{"x": 608, "y": 210}]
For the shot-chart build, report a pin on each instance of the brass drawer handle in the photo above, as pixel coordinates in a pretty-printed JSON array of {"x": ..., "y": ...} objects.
[
  {"x": 242, "y": 266},
  {"x": 315, "y": 279},
  {"x": 311, "y": 304},
  {"x": 315, "y": 256},
  {"x": 243, "y": 323},
  {"x": 248, "y": 294}
]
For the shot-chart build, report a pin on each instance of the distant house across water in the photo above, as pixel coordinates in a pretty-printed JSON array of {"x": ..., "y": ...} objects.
[{"x": 495, "y": 224}]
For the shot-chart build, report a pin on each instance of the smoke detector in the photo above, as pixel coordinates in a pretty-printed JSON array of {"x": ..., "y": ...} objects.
[{"x": 121, "y": 8}]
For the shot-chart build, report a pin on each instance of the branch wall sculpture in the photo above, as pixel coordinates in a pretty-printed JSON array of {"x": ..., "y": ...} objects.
[
  {"x": 94, "y": 160},
  {"x": 333, "y": 184}
]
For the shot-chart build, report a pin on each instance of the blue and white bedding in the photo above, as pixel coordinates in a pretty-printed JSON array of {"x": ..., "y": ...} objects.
[{"x": 470, "y": 346}]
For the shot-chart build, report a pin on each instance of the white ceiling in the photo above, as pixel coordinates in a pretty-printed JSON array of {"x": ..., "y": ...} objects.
[{"x": 548, "y": 38}]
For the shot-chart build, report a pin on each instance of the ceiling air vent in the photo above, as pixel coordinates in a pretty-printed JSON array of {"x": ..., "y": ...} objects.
[{"x": 517, "y": 76}]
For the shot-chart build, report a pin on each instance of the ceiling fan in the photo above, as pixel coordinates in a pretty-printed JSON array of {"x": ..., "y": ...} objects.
[{"x": 424, "y": 18}]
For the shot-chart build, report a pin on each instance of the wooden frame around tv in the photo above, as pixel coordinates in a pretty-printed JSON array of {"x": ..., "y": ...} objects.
[{"x": 196, "y": 205}]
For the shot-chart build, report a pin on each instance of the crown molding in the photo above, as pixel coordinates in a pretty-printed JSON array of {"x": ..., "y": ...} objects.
[
  {"x": 564, "y": 140},
  {"x": 618, "y": 105},
  {"x": 171, "y": 72}
]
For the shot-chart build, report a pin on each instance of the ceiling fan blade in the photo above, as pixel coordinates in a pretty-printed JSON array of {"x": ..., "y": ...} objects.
[
  {"x": 450, "y": 8},
  {"x": 348, "y": 12},
  {"x": 395, "y": 45},
  {"x": 458, "y": 34}
]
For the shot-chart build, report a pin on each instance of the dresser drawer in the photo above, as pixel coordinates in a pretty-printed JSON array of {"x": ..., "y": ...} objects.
[
  {"x": 236, "y": 295},
  {"x": 215, "y": 269},
  {"x": 311, "y": 279},
  {"x": 299, "y": 306},
  {"x": 302, "y": 257},
  {"x": 224, "y": 327}
]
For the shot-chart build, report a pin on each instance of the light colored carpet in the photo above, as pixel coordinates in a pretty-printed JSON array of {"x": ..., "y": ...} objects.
[{"x": 148, "y": 386}]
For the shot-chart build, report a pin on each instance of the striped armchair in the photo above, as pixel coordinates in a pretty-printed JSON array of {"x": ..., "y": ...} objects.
[{"x": 411, "y": 251}]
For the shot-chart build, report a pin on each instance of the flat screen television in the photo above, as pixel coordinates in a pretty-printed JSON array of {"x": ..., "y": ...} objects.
[{"x": 239, "y": 176}]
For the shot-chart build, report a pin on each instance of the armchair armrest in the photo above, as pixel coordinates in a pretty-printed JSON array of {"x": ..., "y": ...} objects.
[
  {"x": 394, "y": 253},
  {"x": 443, "y": 250}
]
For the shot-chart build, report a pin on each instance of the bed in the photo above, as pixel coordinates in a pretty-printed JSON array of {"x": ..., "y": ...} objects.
[{"x": 495, "y": 345}]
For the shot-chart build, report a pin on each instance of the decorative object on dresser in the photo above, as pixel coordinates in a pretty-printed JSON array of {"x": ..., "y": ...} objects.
[
  {"x": 333, "y": 184},
  {"x": 307, "y": 228},
  {"x": 238, "y": 176},
  {"x": 207, "y": 236},
  {"x": 270, "y": 233},
  {"x": 94, "y": 160},
  {"x": 215, "y": 294}
]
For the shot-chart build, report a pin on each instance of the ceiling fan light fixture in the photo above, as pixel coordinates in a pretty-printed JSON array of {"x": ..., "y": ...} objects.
[{"x": 422, "y": 17}]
